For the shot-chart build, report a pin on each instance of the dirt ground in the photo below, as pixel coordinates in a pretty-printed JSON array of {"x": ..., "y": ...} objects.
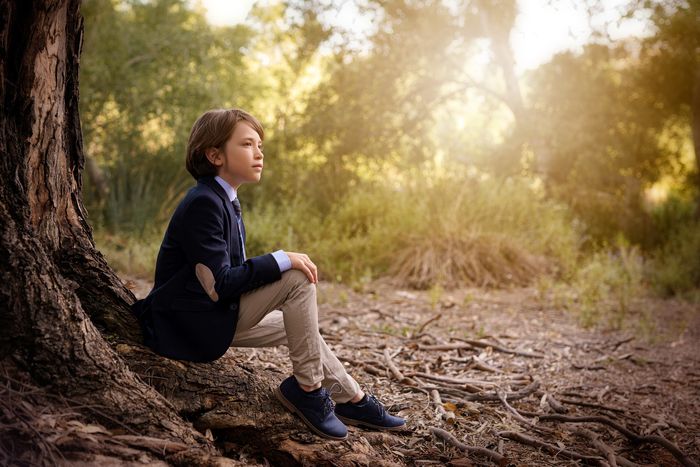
[{"x": 474, "y": 344}]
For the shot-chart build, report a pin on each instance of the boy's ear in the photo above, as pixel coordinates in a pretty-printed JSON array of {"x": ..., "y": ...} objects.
[{"x": 213, "y": 156}]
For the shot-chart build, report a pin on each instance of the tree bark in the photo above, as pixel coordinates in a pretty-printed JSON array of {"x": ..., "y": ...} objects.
[
  {"x": 695, "y": 124},
  {"x": 64, "y": 319}
]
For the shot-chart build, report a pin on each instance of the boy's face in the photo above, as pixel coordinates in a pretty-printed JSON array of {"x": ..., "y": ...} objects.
[{"x": 241, "y": 160}]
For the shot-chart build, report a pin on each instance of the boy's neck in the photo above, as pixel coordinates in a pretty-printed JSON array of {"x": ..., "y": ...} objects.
[{"x": 230, "y": 189}]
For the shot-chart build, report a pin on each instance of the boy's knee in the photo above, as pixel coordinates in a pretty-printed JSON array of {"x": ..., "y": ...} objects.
[{"x": 296, "y": 277}]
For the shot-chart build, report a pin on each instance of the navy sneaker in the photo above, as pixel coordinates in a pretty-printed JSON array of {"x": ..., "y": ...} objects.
[
  {"x": 368, "y": 412},
  {"x": 315, "y": 408}
]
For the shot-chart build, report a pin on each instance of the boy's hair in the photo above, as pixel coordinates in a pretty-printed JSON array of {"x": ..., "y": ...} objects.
[{"x": 211, "y": 130}]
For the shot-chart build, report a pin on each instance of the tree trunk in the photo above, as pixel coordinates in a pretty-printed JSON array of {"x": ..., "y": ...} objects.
[
  {"x": 525, "y": 125},
  {"x": 64, "y": 322},
  {"x": 695, "y": 125}
]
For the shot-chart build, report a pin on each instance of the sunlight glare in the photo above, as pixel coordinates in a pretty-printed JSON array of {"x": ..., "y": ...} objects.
[{"x": 226, "y": 12}]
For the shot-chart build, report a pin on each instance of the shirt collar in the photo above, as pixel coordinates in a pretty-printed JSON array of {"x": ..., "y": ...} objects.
[{"x": 230, "y": 191}]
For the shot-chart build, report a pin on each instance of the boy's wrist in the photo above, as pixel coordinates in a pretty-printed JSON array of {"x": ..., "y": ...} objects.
[{"x": 283, "y": 261}]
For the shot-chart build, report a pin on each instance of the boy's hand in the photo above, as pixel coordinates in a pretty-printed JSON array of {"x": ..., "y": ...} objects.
[{"x": 302, "y": 262}]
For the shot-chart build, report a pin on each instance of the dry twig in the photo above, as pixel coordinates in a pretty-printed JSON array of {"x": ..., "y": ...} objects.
[
  {"x": 446, "y": 415},
  {"x": 447, "y": 437},
  {"x": 604, "y": 449},
  {"x": 394, "y": 369},
  {"x": 447, "y": 379},
  {"x": 500, "y": 348},
  {"x": 632, "y": 436},
  {"x": 522, "y": 393},
  {"x": 519, "y": 417},
  {"x": 422, "y": 327},
  {"x": 552, "y": 449}
]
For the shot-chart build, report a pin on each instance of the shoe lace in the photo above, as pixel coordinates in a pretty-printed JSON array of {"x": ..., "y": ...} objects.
[
  {"x": 379, "y": 405},
  {"x": 328, "y": 404}
]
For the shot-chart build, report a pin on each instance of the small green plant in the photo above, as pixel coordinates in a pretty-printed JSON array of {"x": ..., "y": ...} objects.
[
  {"x": 646, "y": 327},
  {"x": 435, "y": 293},
  {"x": 360, "y": 284},
  {"x": 387, "y": 328},
  {"x": 543, "y": 286},
  {"x": 468, "y": 298},
  {"x": 343, "y": 298}
]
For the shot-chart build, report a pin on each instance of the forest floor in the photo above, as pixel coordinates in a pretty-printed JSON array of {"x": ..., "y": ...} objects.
[{"x": 502, "y": 359}]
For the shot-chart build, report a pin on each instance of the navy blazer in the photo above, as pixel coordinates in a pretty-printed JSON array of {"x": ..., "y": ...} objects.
[{"x": 178, "y": 318}]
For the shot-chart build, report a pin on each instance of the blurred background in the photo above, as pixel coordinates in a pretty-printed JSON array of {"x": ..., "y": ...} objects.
[{"x": 439, "y": 144}]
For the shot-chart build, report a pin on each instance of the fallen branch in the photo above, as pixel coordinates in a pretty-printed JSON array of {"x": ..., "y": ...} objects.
[
  {"x": 448, "y": 390},
  {"x": 481, "y": 365},
  {"x": 419, "y": 331},
  {"x": 394, "y": 369},
  {"x": 445, "y": 347},
  {"x": 623, "y": 341},
  {"x": 592, "y": 405},
  {"x": 555, "y": 404},
  {"x": 536, "y": 443},
  {"x": 499, "y": 348},
  {"x": 632, "y": 436},
  {"x": 519, "y": 417},
  {"x": 447, "y": 379},
  {"x": 448, "y": 438},
  {"x": 522, "y": 393},
  {"x": 373, "y": 370},
  {"x": 446, "y": 415},
  {"x": 604, "y": 449}
]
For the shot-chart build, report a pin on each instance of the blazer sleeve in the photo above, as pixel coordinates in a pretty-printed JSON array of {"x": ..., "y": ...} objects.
[{"x": 204, "y": 242}]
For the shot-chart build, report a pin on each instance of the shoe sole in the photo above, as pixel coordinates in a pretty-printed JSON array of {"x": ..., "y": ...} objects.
[
  {"x": 293, "y": 409},
  {"x": 360, "y": 423}
]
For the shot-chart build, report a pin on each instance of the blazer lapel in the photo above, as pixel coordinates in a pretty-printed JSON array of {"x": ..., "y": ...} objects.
[{"x": 232, "y": 227}]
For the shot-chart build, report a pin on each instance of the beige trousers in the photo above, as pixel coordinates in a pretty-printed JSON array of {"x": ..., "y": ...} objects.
[{"x": 285, "y": 313}]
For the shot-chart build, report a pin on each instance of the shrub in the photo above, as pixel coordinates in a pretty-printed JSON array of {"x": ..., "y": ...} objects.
[
  {"x": 128, "y": 254},
  {"x": 606, "y": 284},
  {"x": 676, "y": 264},
  {"x": 451, "y": 230}
]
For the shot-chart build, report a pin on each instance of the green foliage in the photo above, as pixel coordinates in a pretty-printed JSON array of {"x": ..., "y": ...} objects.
[
  {"x": 129, "y": 255},
  {"x": 148, "y": 69},
  {"x": 676, "y": 264},
  {"x": 392, "y": 159},
  {"x": 364, "y": 234},
  {"x": 614, "y": 124},
  {"x": 435, "y": 293},
  {"x": 606, "y": 285},
  {"x": 602, "y": 140}
]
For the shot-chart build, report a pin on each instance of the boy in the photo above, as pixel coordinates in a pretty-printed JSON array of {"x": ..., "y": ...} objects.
[{"x": 208, "y": 296}]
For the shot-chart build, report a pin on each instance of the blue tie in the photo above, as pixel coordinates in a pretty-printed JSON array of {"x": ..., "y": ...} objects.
[{"x": 239, "y": 220}]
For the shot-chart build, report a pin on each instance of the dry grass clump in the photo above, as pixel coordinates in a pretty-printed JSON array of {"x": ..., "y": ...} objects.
[{"x": 472, "y": 259}]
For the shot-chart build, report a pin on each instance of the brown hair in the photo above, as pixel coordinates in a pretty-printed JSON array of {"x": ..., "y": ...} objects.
[{"x": 211, "y": 130}]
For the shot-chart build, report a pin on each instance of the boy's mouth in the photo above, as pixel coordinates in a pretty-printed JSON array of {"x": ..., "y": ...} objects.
[{"x": 258, "y": 166}]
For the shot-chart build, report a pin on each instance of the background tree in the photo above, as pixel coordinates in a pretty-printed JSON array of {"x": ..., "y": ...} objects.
[
  {"x": 147, "y": 63},
  {"x": 430, "y": 90}
]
